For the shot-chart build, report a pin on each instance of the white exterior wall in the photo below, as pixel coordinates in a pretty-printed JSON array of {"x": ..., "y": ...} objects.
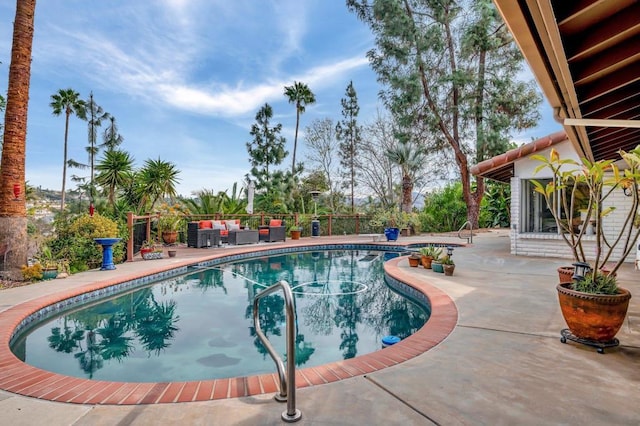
[{"x": 553, "y": 245}]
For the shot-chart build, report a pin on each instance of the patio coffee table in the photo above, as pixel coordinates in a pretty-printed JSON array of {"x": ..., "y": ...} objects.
[{"x": 243, "y": 236}]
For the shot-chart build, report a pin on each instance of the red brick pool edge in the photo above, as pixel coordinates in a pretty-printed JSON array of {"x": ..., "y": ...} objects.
[{"x": 20, "y": 378}]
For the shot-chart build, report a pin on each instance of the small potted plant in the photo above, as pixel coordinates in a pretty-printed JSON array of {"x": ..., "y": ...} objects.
[
  {"x": 295, "y": 231},
  {"x": 436, "y": 265},
  {"x": 414, "y": 259},
  {"x": 447, "y": 265},
  {"x": 148, "y": 249},
  {"x": 592, "y": 304},
  {"x": 428, "y": 254},
  {"x": 48, "y": 262}
]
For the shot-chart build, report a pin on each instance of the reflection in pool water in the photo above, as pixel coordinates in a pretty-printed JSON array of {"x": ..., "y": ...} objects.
[{"x": 199, "y": 325}]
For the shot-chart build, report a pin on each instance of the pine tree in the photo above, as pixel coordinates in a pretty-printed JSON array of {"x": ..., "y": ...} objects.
[
  {"x": 266, "y": 151},
  {"x": 348, "y": 133}
]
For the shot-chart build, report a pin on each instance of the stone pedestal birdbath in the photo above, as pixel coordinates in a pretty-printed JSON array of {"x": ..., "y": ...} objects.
[{"x": 107, "y": 252}]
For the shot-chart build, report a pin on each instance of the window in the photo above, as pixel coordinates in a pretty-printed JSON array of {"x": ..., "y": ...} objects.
[{"x": 535, "y": 214}]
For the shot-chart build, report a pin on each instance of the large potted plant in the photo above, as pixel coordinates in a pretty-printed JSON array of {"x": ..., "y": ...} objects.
[
  {"x": 429, "y": 253},
  {"x": 170, "y": 219},
  {"x": 592, "y": 304}
]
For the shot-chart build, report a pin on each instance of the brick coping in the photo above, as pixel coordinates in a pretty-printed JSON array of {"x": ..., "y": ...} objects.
[{"x": 23, "y": 379}]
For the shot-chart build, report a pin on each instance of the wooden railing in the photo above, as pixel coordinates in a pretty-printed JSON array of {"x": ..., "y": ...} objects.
[{"x": 140, "y": 227}]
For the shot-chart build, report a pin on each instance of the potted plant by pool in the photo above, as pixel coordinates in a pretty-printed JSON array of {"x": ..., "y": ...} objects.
[
  {"x": 414, "y": 259},
  {"x": 170, "y": 218},
  {"x": 48, "y": 263},
  {"x": 593, "y": 305},
  {"x": 428, "y": 254},
  {"x": 149, "y": 251},
  {"x": 447, "y": 265},
  {"x": 295, "y": 231},
  {"x": 436, "y": 265}
]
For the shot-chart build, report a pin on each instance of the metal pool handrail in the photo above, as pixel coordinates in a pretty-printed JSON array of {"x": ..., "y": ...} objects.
[
  {"x": 288, "y": 378},
  {"x": 470, "y": 237}
]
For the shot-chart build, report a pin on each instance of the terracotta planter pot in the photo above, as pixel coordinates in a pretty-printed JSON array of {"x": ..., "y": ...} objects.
[
  {"x": 295, "y": 235},
  {"x": 172, "y": 253},
  {"x": 169, "y": 237},
  {"x": 565, "y": 273},
  {"x": 596, "y": 317},
  {"x": 426, "y": 261},
  {"x": 448, "y": 269},
  {"x": 414, "y": 261}
]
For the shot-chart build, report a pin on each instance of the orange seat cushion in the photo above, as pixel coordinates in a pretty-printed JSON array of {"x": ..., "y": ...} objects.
[
  {"x": 224, "y": 233},
  {"x": 205, "y": 224},
  {"x": 263, "y": 231},
  {"x": 275, "y": 222}
]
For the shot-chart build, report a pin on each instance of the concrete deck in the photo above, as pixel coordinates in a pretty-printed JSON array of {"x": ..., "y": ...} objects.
[{"x": 502, "y": 364}]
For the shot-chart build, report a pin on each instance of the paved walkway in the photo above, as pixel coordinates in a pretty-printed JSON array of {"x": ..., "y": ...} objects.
[{"x": 502, "y": 364}]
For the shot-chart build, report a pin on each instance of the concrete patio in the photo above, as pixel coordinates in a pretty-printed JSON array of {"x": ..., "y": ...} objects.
[{"x": 503, "y": 364}]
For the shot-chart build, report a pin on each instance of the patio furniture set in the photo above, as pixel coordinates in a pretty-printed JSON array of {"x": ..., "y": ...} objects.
[{"x": 214, "y": 233}]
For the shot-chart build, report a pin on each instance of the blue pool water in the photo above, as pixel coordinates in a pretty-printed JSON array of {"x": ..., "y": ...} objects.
[{"x": 199, "y": 325}]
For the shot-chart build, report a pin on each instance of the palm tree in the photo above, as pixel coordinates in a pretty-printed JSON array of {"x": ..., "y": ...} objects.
[
  {"x": 300, "y": 95},
  {"x": 410, "y": 159},
  {"x": 158, "y": 179},
  {"x": 13, "y": 212},
  {"x": 69, "y": 102},
  {"x": 113, "y": 172}
]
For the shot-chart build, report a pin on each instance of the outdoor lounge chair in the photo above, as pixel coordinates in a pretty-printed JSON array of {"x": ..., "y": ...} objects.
[{"x": 275, "y": 231}]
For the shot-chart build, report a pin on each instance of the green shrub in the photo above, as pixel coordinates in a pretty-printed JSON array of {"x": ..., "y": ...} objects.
[
  {"x": 75, "y": 241},
  {"x": 444, "y": 210},
  {"x": 32, "y": 273}
]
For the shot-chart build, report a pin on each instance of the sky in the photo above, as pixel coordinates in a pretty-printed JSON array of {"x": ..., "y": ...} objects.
[{"x": 185, "y": 78}]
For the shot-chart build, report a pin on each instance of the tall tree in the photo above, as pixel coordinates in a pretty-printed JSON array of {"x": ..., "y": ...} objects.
[
  {"x": 95, "y": 116},
  {"x": 266, "y": 151},
  {"x": 300, "y": 95},
  {"x": 69, "y": 102},
  {"x": 112, "y": 139},
  {"x": 114, "y": 170},
  {"x": 348, "y": 133},
  {"x": 3, "y": 104},
  {"x": 13, "y": 212},
  {"x": 323, "y": 146},
  {"x": 454, "y": 65}
]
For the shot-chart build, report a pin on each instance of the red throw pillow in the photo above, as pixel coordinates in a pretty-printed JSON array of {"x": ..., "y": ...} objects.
[
  {"x": 275, "y": 222},
  {"x": 205, "y": 224}
]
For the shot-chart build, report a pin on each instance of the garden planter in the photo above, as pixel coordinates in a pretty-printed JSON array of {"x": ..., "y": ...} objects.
[
  {"x": 172, "y": 253},
  {"x": 414, "y": 261},
  {"x": 437, "y": 267},
  {"x": 295, "y": 235},
  {"x": 426, "y": 261},
  {"x": 49, "y": 274},
  {"x": 565, "y": 273},
  {"x": 391, "y": 233},
  {"x": 170, "y": 237},
  {"x": 596, "y": 317},
  {"x": 448, "y": 269},
  {"x": 144, "y": 251}
]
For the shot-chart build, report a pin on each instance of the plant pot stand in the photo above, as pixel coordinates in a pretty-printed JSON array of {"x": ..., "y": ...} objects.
[{"x": 568, "y": 335}]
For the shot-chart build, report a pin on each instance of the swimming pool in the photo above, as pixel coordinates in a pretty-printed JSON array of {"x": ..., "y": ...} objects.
[{"x": 199, "y": 325}]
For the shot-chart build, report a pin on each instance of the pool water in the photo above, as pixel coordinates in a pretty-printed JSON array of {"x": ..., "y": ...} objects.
[{"x": 199, "y": 326}]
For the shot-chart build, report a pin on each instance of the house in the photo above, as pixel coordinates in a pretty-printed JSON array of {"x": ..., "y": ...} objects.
[
  {"x": 533, "y": 228},
  {"x": 585, "y": 57}
]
